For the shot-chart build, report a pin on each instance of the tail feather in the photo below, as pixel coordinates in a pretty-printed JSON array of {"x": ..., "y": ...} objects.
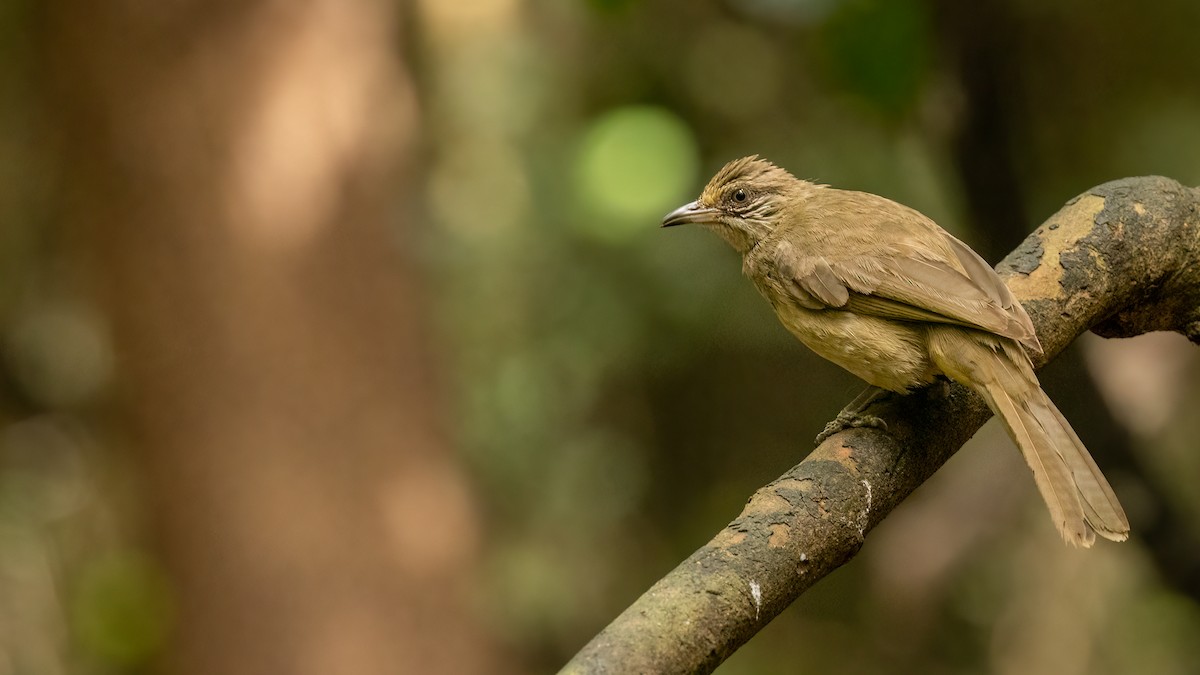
[
  {"x": 1104, "y": 512},
  {"x": 1050, "y": 471},
  {"x": 1080, "y": 501}
]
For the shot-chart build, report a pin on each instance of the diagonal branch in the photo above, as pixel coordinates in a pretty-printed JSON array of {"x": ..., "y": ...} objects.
[{"x": 1122, "y": 259}]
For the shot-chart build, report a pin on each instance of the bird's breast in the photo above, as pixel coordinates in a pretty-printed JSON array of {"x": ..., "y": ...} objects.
[{"x": 888, "y": 354}]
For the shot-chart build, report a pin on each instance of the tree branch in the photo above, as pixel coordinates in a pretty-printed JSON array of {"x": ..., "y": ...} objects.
[{"x": 1122, "y": 259}]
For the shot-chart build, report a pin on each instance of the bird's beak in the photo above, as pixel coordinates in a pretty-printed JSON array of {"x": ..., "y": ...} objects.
[{"x": 690, "y": 213}]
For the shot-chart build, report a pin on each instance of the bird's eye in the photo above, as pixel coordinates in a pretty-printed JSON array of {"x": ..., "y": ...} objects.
[{"x": 740, "y": 195}]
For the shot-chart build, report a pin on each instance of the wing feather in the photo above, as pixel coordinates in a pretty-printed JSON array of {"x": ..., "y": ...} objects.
[
  {"x": 937, "y": 280},
  {"x": 824, "y": 283}
]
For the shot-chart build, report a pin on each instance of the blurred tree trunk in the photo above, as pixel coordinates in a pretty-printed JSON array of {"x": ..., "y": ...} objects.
[{"x": 232, "y": 168}]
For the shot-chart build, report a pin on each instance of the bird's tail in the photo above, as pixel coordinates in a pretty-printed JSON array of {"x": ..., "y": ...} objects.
[{"x": 1080, "y": 500}]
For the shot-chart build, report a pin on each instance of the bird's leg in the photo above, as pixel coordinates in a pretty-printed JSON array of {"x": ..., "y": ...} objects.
[{"x": 853, "y": 417}]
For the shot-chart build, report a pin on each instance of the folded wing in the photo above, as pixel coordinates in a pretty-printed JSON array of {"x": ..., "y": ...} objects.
[{"x": 947, "y": 283}]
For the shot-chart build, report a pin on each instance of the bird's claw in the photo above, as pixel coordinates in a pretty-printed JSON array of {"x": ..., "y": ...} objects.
[{"x": 850, "y": 420}]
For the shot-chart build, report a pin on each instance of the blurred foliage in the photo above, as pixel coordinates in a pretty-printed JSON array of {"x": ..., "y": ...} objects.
[
  {"x": 122, "y": 608},
  {"x": 881, "y": 51},
  {"x": 617, "y": 390}
]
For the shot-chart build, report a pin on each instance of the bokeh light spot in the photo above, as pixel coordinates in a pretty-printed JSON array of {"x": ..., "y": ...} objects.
[
  {"x": 634, "y": 164},
  {"x": 59, "y": 354}
]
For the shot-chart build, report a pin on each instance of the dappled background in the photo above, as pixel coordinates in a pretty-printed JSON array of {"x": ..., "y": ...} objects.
[{"x": 340, "y": 335}]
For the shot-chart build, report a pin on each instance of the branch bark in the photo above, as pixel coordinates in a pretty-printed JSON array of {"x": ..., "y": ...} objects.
[{"x": 1121, "y": 259}]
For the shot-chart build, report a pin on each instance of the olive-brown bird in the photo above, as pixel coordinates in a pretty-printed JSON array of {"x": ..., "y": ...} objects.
[{"x": 882, "y": 291}]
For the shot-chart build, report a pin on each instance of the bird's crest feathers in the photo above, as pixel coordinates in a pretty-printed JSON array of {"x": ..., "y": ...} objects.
[{"x": 747, "y": 169}]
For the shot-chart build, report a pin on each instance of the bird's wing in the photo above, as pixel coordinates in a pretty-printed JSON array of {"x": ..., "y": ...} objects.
[
  {"x": 1019, "y": 325},
  {"x": 907, "y": 282}
]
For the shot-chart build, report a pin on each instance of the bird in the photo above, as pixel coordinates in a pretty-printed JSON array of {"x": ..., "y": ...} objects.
[{"x": 881, "y": 290}]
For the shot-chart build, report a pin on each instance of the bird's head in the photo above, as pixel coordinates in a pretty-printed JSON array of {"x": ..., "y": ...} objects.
[{"x": 742, "y": 202}]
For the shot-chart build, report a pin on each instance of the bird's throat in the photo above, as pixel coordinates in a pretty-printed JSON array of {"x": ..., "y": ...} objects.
[{"x": 743, "y": 236}]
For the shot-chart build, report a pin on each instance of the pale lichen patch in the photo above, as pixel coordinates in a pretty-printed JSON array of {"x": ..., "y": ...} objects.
[
  {"x": 1073, "y": 222},
  {"x": 766, "y": 501},
  {"x": 727, "y": 538},
  {"x": 865, "y": 516},
  {"x": 781, "y": 534}
]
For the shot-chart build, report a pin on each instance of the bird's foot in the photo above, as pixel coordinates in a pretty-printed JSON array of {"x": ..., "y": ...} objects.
[{"x": 848, "y": 419}]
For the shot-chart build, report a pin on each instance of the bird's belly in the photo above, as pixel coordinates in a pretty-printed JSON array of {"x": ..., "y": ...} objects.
[{"x": 888, "y": 354}]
